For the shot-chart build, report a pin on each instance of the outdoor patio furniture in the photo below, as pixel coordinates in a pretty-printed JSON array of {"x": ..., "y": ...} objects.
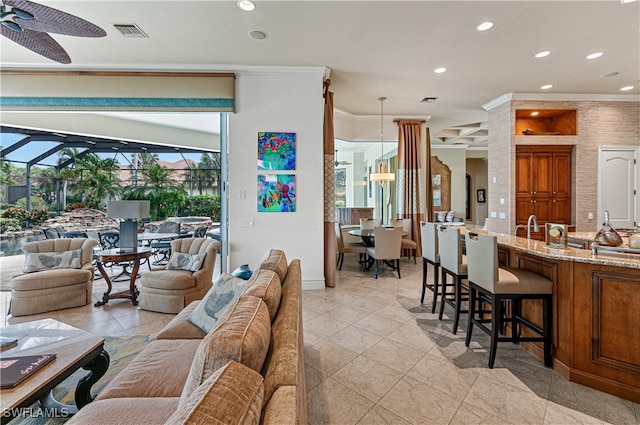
[
  {"x": 162, "y": 248},
  {"x": 52, "y": 286}
]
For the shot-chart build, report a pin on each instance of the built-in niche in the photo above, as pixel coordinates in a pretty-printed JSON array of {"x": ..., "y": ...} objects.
[
  {"x": 441, "y": 185},
  {"x": 546, "y": 122}
]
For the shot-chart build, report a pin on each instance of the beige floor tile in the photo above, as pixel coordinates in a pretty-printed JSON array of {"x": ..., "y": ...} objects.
[
  {"x": 349, "y": 314},
  {"x": 469, "y": 414},
  {"x": 368, "y": 378},
  {"x": 103, "y": 328},
  {"x": 325, "y": 325},
  {"x": 399, "y": 357},
  {"x": 333, "y": 403},
  {"x": 535, "y": 378},
  {"x": 328, "y": 358},
  {"x": 311, "y": 338},
  {"x": 381, "y": 416},
  {"x": 410, "y": 334},
  {"x": 313, "y": 377},
  {"x": 506, "y": 401},
  {"x": 557, "y": 414},
  {"x": 444, "y": 375},
  {"x": 420, "y": 403},
  {"x": 319, "y": 305},
  {"x": 378, "y": 324},
  {"x": 355, "y": 339},
  {"x": 308, "y": 314}
]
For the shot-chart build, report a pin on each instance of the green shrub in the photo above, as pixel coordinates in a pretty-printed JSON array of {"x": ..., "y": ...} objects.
[
  {"x": 9, "y": 225},
  {"x": 74, "y": 206},
  {"x": 201, "y": 206},
  {"x": 37, "y": 203},
  {"x": 37, "y": 217},
  {"x": 16, "y": 213}
]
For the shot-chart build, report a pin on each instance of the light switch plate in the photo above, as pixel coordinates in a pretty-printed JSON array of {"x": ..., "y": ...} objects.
[
  {"x": 493, "y": 214},
  {"x": 503, "y": 215},
  {"x": 246, "y": 222}
]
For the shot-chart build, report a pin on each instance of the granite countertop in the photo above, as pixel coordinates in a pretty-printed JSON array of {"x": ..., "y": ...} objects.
[{"x": 541, "y": 249}]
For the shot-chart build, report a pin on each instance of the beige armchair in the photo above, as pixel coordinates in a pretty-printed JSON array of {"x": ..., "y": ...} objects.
[
  {"x": 169, "y": 290},
  {"x": 52, "y": 286}
]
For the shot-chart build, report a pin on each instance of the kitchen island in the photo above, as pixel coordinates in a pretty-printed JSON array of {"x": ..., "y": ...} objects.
[{"x": 596, "y": 312}]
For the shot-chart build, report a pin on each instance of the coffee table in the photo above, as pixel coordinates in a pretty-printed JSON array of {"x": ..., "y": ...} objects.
[{"x": 74, "y": 349}]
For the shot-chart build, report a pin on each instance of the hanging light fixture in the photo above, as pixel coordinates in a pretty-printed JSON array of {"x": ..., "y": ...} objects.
[{"x": 382, "y": 176}]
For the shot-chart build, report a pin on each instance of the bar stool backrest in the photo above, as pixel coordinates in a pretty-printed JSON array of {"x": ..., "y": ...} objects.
[
  {"x": 450, "y": 249},
  {"x": 429, "y": 234},
  {"x": 482, "y": 260},
  {"x": 370, "y": 223},
  {"x": 388, "y": 242}
]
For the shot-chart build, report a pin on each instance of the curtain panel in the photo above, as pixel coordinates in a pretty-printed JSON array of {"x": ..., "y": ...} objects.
[
  {"x": 410, "y": 186},
  {"x": 329, "y": 191}
]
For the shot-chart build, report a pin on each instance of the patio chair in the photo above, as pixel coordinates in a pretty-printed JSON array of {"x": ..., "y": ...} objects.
[{"x": 162, "y": 248}]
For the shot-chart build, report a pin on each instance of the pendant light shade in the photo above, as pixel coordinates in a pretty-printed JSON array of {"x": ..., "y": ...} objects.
[{"x": 382, "y": 176}]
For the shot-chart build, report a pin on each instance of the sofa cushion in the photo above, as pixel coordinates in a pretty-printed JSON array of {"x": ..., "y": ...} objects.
[
  {"x": 232, "y": 395},
  {"x": 139, "y": 411},
  {"x": 224, "y": 290},
  {"x": 265, "y": 284},
  {"x": 160, "y": 370},
  {"x": 276, "y": 261},
  {"x": 180, "y": 327},
  {"x": 184, "y": 261},
  {"x": 440, "y": 216},
  {"x": 168, "y": 279},
  {"x": 282, "y": 407},
  {"x": 54, "y": 278},
  {"x": 39, "y": 261},
  {"x": 242, "y": 334}
]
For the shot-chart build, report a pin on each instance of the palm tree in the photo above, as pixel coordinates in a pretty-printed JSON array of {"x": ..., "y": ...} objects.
[
  {"x": 159, "y": 187},
  {"x": 208, "y": 172},
  {"x": 46, "y": 181},
  {"x": 99, "y": 180},
  {"x": 64, "y": 155}
]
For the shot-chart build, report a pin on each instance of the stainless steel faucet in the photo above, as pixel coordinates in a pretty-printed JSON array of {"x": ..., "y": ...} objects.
[{"x": 535, "y": 225}]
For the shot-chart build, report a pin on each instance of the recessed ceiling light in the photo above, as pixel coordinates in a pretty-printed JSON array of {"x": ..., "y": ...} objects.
[
  {"x": 610, "y": 74},
  {"x": 258, "y": 35},
  {"x": 594, "y": 55},
  {"x": 440, "y": 70},
  {"x": 246, "y": 5},
  {"x": 626, "y": 88},
  {"x": 485, "y": 26},
  {"x": 542, "y": 54},
  {"x": 534, "y": 113},
  {"x": 546, "y": 86},
  {"x": 628, "y": 1}
]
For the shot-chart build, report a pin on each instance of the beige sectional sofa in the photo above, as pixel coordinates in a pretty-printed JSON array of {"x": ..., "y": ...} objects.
[{"x": 248, "y": 369}]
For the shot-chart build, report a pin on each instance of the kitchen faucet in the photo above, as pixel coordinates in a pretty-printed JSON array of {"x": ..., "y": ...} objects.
[{"x": 535, "y": 225}]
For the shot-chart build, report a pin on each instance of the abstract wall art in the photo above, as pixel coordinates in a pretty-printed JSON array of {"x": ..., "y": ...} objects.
[
  {"x": 276, "y": 193},
  {"x": 276, "y": 151}
]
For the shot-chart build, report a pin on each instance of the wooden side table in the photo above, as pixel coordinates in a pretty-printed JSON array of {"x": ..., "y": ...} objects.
[{"x": 117, "y": 255}]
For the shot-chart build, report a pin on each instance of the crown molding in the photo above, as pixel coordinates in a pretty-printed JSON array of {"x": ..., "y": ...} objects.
[
  {"x": 561, "y": 97},
  {"x": 375, "y": 118}
]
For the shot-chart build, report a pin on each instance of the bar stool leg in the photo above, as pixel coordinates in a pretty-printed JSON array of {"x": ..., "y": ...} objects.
[
  {"x": 458, "y": 298},
  {"x": 424, "y": 279},
  {"x": 436, "y": 281},
  {"x": 444, "y": 293},
  {"x": 495, "y": 327},
  {"x": 547, "y": 312},
  {"x": 472, "y": 309}
]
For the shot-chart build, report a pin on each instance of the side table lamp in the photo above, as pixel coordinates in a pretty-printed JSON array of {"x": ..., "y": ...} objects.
[{"x": 129, "y": 212}]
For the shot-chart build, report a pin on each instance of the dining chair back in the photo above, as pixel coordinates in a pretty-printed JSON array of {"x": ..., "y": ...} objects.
[
  {"x": 109, "y": 239},
  {"x": 74, "y": 235},
  {"x": 370, "y": 223},
  {"x": 430, "y": 255},
  {"x": 407, "y": 241},
  {"x": 388, "y": 247},
  {"x": 200, "y": 232},
  {"x": 347, "y": 247},
  {"x": 453, "y": 263}
]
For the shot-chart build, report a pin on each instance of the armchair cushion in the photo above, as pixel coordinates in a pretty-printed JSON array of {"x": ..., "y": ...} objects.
[
  {"x": 225, "y": 290},
  {"x": 184, "y": 261},
  {"x": 40, "y": 261}
]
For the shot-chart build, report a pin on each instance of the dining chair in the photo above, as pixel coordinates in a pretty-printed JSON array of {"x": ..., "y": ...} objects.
[
  {"x": 347, "y": 247},
  {"x": 430, "y": 255},
  {"x": 200, "y": 232},
  {"x": 370, "y": 223},
  {"x": 407, "y": 243},
  {"x": 74, "y": 235},
  {"x": 491, "y": 284},
  {"x": 453, "y": 263},
  {"x": 388, "y": 244}
]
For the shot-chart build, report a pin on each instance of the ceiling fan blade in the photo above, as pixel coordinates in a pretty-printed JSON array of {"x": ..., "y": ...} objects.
[
  {"x": 38, "y": 42},
  {"x": 48, "y": 19}
]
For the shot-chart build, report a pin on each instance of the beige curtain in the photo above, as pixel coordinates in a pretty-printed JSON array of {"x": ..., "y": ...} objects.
[
  {"x": 428, "y": 193},
  {"x": 329, "y": 191},
  {"x": 410, "y": 186}
]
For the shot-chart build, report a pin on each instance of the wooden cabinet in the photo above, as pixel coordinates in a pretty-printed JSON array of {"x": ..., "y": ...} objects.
[{"x": 543, "y": 185}]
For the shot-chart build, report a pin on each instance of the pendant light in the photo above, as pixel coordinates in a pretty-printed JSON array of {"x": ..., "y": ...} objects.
[{"x": 382, "y": 176}]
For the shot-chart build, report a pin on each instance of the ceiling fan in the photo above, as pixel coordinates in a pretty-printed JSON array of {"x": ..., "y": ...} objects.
[
  {"x": 28, "y": 24},
  {"x": 340, "y": 162}
]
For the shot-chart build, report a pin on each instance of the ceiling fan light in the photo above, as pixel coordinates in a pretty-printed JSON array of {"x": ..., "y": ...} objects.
[
  {"x": 12, "y": 26},
  {"x": 22, "y": 14}
]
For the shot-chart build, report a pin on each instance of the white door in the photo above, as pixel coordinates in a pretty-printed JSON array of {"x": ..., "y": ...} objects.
[{"x": 617, "y": 186}]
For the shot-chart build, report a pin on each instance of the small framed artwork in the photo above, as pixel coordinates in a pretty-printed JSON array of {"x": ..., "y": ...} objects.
[
  {"x": 481, "y": 195},
  {"x": 276, "y": 151},
  {"x": 276, "y": 193}
]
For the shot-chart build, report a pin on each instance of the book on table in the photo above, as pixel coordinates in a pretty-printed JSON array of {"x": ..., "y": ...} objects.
[
  {"x": 6, "y": 343},
  {"x": 14, "y": 370}
]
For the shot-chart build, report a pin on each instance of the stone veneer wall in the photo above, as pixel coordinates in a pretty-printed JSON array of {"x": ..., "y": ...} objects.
[{"x": 600, "y": 123}]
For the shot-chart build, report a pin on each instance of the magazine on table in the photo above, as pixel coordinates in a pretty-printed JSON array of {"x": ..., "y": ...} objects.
[{"x": 14, "y": 370}]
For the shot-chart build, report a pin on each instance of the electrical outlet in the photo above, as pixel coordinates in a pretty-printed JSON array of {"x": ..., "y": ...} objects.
[
  {"x": 590, "y": 216},
  {"x": 503, "y": 215},
  {"x": 246, "y": 222},
  {"x": 242, "y": 194},
  {"x": 494, "y": 179},
  {"x": 493, "y": 214}
]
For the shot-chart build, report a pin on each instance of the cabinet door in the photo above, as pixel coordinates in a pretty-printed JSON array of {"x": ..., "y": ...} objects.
[
  {"x": 542, "y": 209},
  {"x": 524, "y": 174},
  {"x": 562, "y": 174},
  {"x": 561, "y": 210},
  {"x": 524, "y": 207},
  {"x": 542, "y": 174}
]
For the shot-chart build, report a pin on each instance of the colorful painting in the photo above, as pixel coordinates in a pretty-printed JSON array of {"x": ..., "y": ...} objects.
[
  {"x": 276, "y": 151},
  {"x": 276, "y": 193}
]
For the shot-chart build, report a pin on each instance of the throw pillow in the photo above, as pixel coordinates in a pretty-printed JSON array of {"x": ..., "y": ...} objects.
[
  {"x": 184, "y": 261},
  {"x": 224, "y": 291},
  {"x": 39, "y": 261},
  {"x": 440, "y": 216},
  {"x": 449, "y": 217}
]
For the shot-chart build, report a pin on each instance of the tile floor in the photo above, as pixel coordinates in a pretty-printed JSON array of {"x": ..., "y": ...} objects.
[{"x": 375, "y": 355}]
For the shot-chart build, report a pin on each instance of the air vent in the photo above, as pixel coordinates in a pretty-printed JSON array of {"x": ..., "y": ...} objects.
[
  {"x": 429, "y": 99},
  {"x": 130, "y": 30}
]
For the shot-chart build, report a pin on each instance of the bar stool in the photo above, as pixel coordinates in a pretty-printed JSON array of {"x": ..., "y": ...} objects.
[
  {"x": 453, "y": 263},
  {"x": 492, "y": 284},
  {"x": 430, "y": 255}
]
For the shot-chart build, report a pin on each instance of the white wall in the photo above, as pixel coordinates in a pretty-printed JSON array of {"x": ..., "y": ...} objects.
[
  {"x": 455, "y": 159},
  {"x": 288, "y": 101}
]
